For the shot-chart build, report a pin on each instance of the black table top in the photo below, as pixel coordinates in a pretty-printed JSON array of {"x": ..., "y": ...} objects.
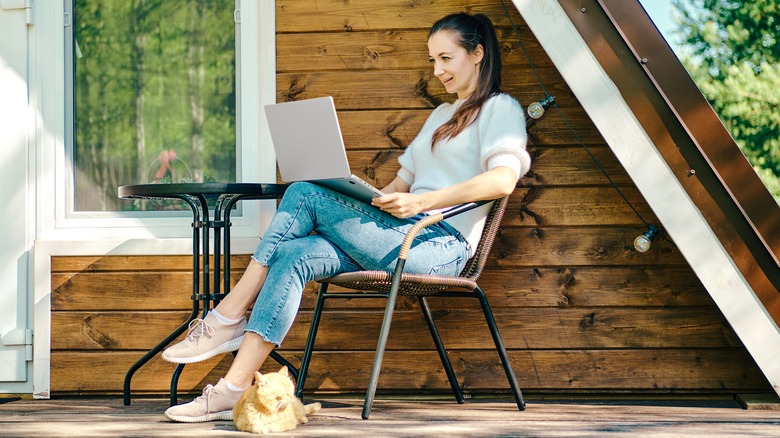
[{"x": 158, "y": 190}]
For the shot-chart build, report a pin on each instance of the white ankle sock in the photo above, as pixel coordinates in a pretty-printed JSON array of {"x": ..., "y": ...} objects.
[
  {"x": 233, "y": 387},
  {"x": 223, "y": 319}
]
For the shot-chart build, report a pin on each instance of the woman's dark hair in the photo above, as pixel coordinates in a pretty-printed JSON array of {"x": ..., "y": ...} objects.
[{"x": 471, "y": 31}]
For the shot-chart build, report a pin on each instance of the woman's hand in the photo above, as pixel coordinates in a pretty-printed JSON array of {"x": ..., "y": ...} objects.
[
  {"x": 492, "y": 184},
  {"x": 400, "y": 204}
]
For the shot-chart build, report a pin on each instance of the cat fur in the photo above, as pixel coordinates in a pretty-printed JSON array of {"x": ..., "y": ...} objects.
[{"x": 270, "y": 405}]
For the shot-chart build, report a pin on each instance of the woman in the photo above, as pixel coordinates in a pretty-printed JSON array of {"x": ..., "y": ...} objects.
[{"x": 469, "y": 150}]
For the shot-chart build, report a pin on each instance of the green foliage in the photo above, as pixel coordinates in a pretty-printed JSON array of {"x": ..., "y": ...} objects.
[
  {"x": 728, "y": 32},
  {"x": 734, "y": 57},
  {"x": 153, "y": 76}
]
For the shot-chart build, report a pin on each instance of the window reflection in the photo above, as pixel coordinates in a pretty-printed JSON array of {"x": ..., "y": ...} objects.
[{"x": 154, "y": 97}]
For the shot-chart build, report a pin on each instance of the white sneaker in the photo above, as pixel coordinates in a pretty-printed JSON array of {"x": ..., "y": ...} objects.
[
  {"x": 206, "y": 338},
  {"x": 216, "y": 403}
]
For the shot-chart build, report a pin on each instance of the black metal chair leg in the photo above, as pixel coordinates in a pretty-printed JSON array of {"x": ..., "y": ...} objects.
[
  {"x": 510, "y": 373},
  {"x": 315, "y": 322},
  {"x": 383, "y": 335},
  {"x": 445, "y": 360}
]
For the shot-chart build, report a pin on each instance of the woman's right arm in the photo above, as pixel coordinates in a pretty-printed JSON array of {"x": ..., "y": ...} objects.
[{"x": 397, "y": 185}]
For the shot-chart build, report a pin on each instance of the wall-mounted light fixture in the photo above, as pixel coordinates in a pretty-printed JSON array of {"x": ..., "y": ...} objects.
[
  {"x": 642, "y": 242},
  {"x": 537, "y": 109}
]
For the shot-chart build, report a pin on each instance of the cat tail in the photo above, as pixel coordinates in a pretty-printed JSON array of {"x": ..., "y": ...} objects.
[{"x": 311, "y": 408}]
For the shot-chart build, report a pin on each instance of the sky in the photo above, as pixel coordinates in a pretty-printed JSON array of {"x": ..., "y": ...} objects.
[{"x": 660, "y": 12}]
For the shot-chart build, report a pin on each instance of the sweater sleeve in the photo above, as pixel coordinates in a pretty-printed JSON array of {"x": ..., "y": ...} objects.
[{"x": 502, "y": 135}]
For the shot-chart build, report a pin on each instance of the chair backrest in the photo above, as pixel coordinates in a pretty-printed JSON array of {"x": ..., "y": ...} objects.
[{"x": 476, "y": 264}]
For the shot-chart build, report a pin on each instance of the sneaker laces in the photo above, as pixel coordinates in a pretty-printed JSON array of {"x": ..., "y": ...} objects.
[
  {"x": 208, "y": 391},
  {"x": 197, "y": 328}
]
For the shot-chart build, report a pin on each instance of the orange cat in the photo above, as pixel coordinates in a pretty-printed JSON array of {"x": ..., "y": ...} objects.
[{"x": 269, "y": 405}]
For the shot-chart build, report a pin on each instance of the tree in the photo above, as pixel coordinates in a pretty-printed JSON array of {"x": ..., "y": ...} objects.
[
  {"x": 152, "y": 79},
  {"x": 732, "y": 53}
]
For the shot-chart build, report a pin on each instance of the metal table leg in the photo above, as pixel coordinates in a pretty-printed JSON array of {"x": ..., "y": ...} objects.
[
  {"x": 205, "y": 298},
  {"x": 196, "y": 223}
]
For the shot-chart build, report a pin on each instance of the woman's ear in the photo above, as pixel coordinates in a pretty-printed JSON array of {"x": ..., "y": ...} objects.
[{"x": 477, "y": 54}]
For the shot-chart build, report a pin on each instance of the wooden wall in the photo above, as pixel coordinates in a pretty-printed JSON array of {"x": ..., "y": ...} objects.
[{"x": 579, "y": 309}]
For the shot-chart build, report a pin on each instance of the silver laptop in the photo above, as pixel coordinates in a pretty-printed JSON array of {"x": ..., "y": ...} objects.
[{"x": 309, "y": 147}]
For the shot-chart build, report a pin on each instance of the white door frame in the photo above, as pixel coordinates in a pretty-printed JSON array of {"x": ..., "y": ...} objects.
[
  {"x": 15, "y": 197},
  {"x": 58, "y": 234}
]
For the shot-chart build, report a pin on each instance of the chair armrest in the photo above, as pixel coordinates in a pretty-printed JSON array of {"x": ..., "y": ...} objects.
[
  {"x": 434, "y": 219},
  {"x": 462, "y": 208}
]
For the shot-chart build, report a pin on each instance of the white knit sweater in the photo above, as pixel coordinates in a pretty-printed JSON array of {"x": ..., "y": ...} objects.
[{"x": 497, "y": 138}]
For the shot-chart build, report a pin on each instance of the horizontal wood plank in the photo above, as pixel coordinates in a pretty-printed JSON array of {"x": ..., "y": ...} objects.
[
  {"x": 570, "y": 247},
  {"x": 118, "y": 290},
  {"x": 562, "y": 128},
  {"x": 461, "y": 328},
  {"x": 593, "y": 286},
  {"x": 391, "y": 131},
  {"x": 156, "y": 263},
  {"x": 554, "y": 166},
  {"x": 400, "y": 89},
  {"x": 418, "y": 371},
  {"x": 577, "y": 206},
  {"x": 524, "y": 287},
  {"x": 386, "y": 50},
  {"x": 360, "y": 15}
]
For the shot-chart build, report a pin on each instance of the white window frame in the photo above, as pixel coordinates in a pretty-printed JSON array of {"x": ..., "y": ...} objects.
[
  {"x": 255, "y": 71},
  {"x": 59, "y": 233}
]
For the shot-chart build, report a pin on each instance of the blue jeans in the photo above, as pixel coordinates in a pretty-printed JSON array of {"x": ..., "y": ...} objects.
[{"x": 318, "y": 233}]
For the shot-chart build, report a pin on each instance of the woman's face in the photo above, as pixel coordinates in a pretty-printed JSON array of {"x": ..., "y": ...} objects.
[{"x": 457, "y": 69}]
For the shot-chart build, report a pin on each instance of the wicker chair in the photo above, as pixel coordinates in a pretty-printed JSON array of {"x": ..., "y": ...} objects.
[{"x": 373, "y": 284}]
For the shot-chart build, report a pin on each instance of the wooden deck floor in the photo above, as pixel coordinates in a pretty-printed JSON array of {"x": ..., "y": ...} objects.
[{"x": 89, "y": 417}]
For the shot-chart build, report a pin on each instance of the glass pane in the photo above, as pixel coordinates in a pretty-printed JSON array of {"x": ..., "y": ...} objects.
[{"x": 154, "y": 97}]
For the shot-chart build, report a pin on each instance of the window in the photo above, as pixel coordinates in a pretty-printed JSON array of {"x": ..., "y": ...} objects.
[
  {"x": 76, "y": 186},
  {"x": 152, "y": 97}
]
